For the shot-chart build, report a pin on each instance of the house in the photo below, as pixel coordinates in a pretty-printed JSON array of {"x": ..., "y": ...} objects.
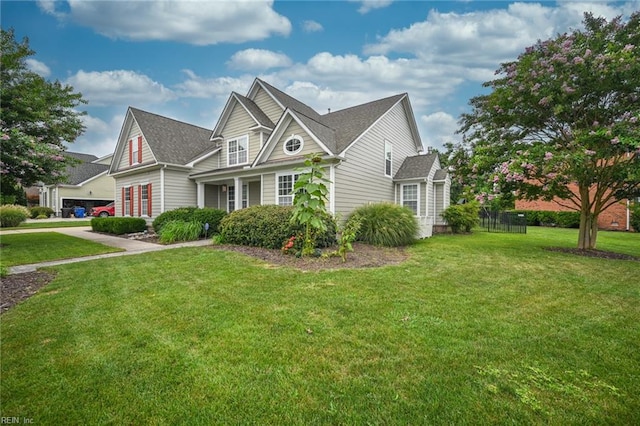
[
  {"x": 373, "y": 153},
  {"x": 87, "y": 185}
]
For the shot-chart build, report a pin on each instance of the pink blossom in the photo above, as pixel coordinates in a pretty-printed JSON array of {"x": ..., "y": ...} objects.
[
  {"x": 587, "y": 53},
  {"x": 548, "y": 156},
  {"x": 544, "y": 101},
  {"x": 578, "y": 60},
  {"x": 615, "y": 141},
  {"x": 5, "y": 137},
  {"x": 628, "y": 48},
  {"x": 589, "y": 152}
]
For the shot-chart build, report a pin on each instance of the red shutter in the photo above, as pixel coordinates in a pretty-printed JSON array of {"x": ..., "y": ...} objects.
[
  {"x": 130, "y": 152},
  {"x": 139, "y": 200},
  {"x": 124, "y": 213},
  {"x": 149, "y": 200},
  {"x": 131, "y": 202},
  {"x": 139, "y": 149}
]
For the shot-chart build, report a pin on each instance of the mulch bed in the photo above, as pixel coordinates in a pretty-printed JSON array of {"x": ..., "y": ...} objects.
[
  {"x": 594, "y": 253},
  {"x": 18, "y": 287}
]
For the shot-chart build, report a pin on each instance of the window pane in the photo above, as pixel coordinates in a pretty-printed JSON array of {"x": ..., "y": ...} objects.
[
  {"x": 231, "y": 193},
  {"x": 410, "y": 197}
]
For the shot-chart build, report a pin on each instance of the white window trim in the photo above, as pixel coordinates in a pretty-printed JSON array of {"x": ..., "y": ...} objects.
[
  {"x": 297, "y": 151},
  {"x": 417, "y": 185},
  {"x": 239, "y": 138},
  {"x": 134, "y": 151},
  {"x": 144, "y": 210},
  {"x": 388, "y": 147},
  {"x": 277, "y": 185},
  {"x": 127, "y": 193}
]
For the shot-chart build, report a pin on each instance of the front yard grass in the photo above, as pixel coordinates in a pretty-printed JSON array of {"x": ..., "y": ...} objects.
[
  {"x": 474, "y": 329},
  {"x": 45, "y": 224},
  {"x": 23, "y": 249}
]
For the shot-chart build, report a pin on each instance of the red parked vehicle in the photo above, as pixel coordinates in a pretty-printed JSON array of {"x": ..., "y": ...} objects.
[{"x": 104, "y": 211}]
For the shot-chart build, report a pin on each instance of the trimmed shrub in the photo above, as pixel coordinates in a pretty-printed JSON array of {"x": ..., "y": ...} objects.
[
  {"x": 568, "y": 219},
  {"x": 40, "y": 211},
  {"x": 178, "y": 230},
  {"x": 12, "y": 215},
  {"x": 118, "y": 225},
  {"x": 191, "y": 214},
  {"x": 268, "y": 226},
  {"x": 385, "y": 224},
  {"x": 635, "y": 216},
  {"x": 564, "y": 219},
  {"x": 462, "y": 217}
]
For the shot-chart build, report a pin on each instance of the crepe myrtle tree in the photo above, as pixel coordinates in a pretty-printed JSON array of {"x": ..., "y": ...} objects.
[
  {"x": 36, "y": 118},
  {"x": 565, "y": 114}
]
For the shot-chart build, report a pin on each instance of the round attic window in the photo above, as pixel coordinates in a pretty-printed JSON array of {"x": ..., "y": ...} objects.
[{"x": 293, "y": 145}]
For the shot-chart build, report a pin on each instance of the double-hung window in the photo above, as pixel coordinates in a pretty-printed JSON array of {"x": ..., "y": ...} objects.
[
  {"x": 388, "y": 158},
  {"x": 285, "y": 189},
  {"x": 238, "y": 151},
  {"x": 410, "y": 197},
  {"x": 128, "y": 195},
  {"x": 144, "y": 200},
  {"x": 231, "y": 197}
]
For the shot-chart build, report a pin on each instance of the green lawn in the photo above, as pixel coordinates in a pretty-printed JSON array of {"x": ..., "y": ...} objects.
[
  {"x": 61, "y": 224},
  {"x": 474, "y": 329},
  {"x": 23, "y": 249}
]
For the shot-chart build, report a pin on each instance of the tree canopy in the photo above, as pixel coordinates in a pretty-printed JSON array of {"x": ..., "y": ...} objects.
[
  {"x": 36, "y": 118},
  {"x": 562, "y": 122}
]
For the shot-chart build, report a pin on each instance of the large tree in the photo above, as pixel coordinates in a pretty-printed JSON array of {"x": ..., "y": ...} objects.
[
  {"x": 36, "y": 118},
  {"x": 562, "y": 122}
]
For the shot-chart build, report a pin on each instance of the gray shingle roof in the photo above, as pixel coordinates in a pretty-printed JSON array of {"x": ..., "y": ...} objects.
[
  {"x": 350, "y": 123},
  {"x": 172, "y": 141},
  {"x": 255, "y": 111},
  {"x": 338, "y": 129},
  {"x": 440, "y": 174},
  {"x": 84, "y": 169},
  {"x": 290, "y": 102},
  {"x": 416, "y": 167}
]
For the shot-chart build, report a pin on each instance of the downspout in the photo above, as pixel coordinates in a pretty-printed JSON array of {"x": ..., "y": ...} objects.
[
  {"x": 162, "y": 188},
  {"x": 629, "y": 216}
]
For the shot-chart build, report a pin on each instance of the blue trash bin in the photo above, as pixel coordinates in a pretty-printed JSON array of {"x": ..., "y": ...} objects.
[{"x": 79, "y": 212}]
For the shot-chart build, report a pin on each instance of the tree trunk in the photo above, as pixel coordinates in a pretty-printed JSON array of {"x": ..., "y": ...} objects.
[{"x": 588, "y": 233}]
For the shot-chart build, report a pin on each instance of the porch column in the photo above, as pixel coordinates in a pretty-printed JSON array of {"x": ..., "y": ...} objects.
[
  {"x": 237, "y": 183},
  {"x": 200, "y": 194}
]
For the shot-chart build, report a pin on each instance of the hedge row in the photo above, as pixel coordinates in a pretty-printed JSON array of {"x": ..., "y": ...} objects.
[
  {"x": 118, "y": 225},
  {"x": 385, "y": 224},
  {"x": 268, "y": 226},
  {"x": 551, "y": 218}
]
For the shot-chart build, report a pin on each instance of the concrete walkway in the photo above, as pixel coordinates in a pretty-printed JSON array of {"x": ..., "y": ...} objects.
[{"x": 129, "y": 246}]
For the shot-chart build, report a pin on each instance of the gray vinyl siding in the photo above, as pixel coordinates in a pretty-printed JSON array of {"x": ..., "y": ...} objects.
[
  {"x": 309, "y": 147},
  {"x": 254, "y": 193},
  {"x": 147, "y": 155},
  {"x": 269, "y": 188},
  {"x": 360, "y": 179},
  {"x": 152, "y": 177},
  {"x": 439, "y": 203},
  {"x": 211, "y": 163},
  {"x": 212, "y": 196},
  {"x": 179, "y": 190},
  {"x": 237, "y": 126},
  {"x": 268, "y": 106}
]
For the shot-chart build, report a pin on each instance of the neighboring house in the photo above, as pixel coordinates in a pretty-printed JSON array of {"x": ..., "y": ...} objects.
[
  {"x": 614, "y": 218},
  {"x": 87, "y": 185},
  {"x": 372, "y": 154}
]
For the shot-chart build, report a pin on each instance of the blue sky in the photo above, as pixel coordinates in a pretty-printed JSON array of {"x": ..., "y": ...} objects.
[{"x": 182, "y": 59}]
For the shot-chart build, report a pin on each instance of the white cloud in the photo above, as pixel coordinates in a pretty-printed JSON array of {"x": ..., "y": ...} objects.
[
  {"x": 368, "y": 5},
  {"x": 311, "y": 27},
  {"x": 193, "y": 22},
  {"x": 100, "y": 137},
  {"x": 38, "y": 67},
  {"x": 196, "y": 86},
  {"x": 119, "y": 87},
  {"x": 258, "y": 59},
  {"x": 438, "y": 128}
]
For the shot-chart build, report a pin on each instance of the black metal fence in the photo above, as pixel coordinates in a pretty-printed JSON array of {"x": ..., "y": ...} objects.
[{"x": 510, "y": 222}]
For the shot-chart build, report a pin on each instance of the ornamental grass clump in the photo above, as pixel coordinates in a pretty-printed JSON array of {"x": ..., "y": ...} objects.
[
  {"x": 385, "y": 224},
  {"x": 12, "y": 215},
  {"x": 178, "y": 230}
]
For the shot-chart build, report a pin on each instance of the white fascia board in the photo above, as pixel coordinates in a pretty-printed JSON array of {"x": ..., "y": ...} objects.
[{"x": 203, "y": 157}]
